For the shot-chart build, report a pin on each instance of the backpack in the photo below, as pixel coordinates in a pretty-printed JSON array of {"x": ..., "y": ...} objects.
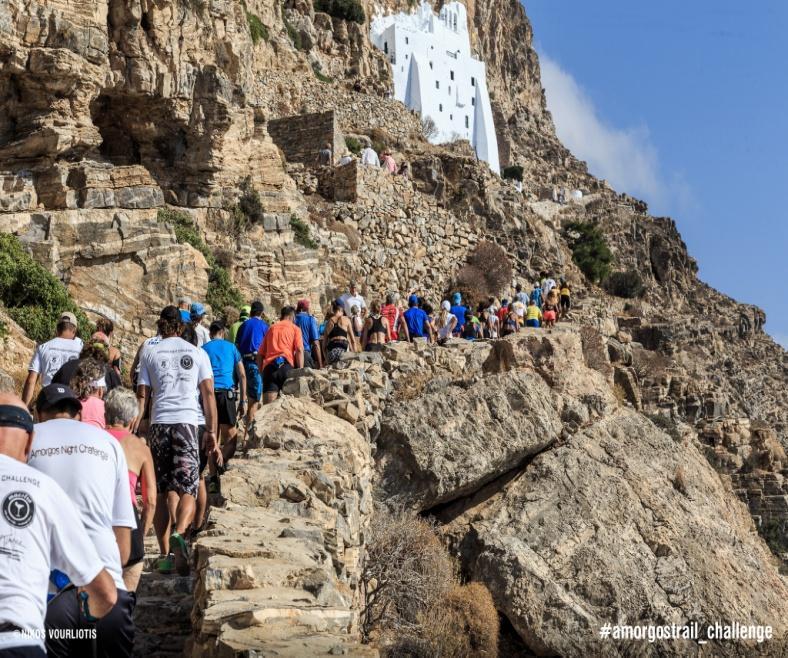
[{"x": 536, "y": 296}]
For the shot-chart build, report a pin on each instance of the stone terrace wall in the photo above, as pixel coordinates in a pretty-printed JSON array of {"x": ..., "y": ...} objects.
[
  {"x": 301, "y": 137},
  {"x": 280, "y": 563},
  {"x": 407, "y": 241},
  {"x": 355, "y": 111}
]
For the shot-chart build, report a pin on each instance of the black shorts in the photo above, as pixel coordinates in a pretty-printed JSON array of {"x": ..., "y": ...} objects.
[
  {"x": 566, "y": 302},
  {"x": 137, "y": 553},
  {"x": 274, "y": 377},
  {"x": 201, "y": 443},
  {"x": 114, "y": 631},
  {"x": 226, "y": 411}
]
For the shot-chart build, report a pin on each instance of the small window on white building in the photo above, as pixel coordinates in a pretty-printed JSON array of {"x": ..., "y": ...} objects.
[
  {"x": 430, "y": 64},
  {"x": 473, "y": 101},
  {"x": 437, "y": 84},
  {"x": 406, "y": 40},
  {"x": 451, "y": 74},
  {"x": 440, "y": 107},
  {"x": 473, "y": 81},
  {"x": 386, "y": 47},
  {"x": 449, "y": 90},
  {"x": 467, "y": 122},
  {"x": 451, "y": 117}
]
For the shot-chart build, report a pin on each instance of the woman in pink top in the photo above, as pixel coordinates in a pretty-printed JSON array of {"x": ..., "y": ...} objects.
[
  {"x": 121, "y": 409},
  {"x": 89, "y": 385}
]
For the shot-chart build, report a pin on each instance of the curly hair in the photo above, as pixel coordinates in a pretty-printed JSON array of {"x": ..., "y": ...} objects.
[
  {"x": 89, "y": 371},
  {"x": 97, "y": 351},
  {"x": 105, "y": 326}
]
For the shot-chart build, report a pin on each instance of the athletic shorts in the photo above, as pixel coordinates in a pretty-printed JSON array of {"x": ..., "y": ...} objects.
[
  {"x": 114, "y": 631},
  {"x": 309, "y": 362},
  {"x": 254, "y": 380},
  {"x": 176, "y": 457},
  {"x": 226, "y": 411},
  {"x": 274, "y": 377},
  {"x": 137, "y": 553},
  {"x": 566, "y": 302},
  {"x": 549, "y": 315},
  {"x": 201, "y": 443},
  {"x": 532, "y": 323}
]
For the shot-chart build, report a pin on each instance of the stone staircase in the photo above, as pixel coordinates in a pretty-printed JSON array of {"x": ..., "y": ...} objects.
[{"x": 163, "y": 613}]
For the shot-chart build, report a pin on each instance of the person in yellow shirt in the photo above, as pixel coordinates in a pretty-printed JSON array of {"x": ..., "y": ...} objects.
[{"x": 533, "y": 315}]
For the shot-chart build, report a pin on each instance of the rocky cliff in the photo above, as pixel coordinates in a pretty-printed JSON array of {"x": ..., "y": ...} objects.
[{"x": 115, "y": 114}]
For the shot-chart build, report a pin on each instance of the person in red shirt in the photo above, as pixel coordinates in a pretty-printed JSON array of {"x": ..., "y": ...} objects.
[
  {"x": 281, "y": 351},
  {"x": 395, "y": 318},
  {"x": 503, "y": 311}
]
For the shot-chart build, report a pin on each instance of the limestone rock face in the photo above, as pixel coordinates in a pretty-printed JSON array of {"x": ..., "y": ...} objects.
[
  {"x": 278, "y": 566},
  {"x": 621, "y": 525},
  {"x": 451, "y": 441}
]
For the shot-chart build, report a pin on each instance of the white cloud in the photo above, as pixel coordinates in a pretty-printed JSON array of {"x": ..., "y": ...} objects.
[{"x": 626, "y": 157}]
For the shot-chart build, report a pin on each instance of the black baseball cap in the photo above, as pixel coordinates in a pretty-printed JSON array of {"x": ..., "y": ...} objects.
[
  {"x": 170, "y": 314},
  {"x": 55, "y": 394}
]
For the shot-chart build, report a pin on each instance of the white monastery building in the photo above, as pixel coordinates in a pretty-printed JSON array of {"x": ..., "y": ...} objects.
[{"x": 435, "y": 74}]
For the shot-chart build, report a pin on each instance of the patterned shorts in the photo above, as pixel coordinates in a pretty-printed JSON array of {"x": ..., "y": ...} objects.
[{"x": 176, "y": 457}]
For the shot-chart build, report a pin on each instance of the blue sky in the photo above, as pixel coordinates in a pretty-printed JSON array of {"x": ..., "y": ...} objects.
[{"x": 685, "y": 105}]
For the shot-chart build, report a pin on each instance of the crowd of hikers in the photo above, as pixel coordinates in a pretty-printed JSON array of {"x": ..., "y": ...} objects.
[{"x": 88, "y": 466}]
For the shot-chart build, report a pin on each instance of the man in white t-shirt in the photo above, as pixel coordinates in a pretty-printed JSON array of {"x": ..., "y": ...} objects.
[
  {"x": 91, "y": 468},
  {"x": 40, "y": 530},
  {"x": 369, "y": 157},
  {"x": 353, "y": 298},
  {"x": 196, "y": 315},
  {"x": 49, "y": 356},
  {"x": 175, "y": 375}
]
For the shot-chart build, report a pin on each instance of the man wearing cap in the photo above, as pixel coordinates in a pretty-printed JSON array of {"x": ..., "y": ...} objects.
[
  {"x": 40, "y": 530},
  {"x": 458, "y": 310},
  {"x": 91, "y": 468},
  {"x": 227, "y": 365},
  {"x": 196, "y": 316},
  {"x": 175, "y": 375},
  {"x": 310, "y": 332},
  {"x": 250, "y": 338},
  {"x": 49, "y": 356},
  {"x": 353, "y": 298},
  {"x": 232, "y": 334}
]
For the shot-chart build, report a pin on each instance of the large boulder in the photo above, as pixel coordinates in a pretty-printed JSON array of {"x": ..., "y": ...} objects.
[
  {"x": 451, "y": 441},
  {"x": 621, "y": 525}
]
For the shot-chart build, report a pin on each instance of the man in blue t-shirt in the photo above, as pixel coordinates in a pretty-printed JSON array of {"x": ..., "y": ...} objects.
[
  {"x": 417, "y": 320},
  {"x": 250, "y": 337},
  {"x": 310, "y": 333},
  {"x": 227, "y": 365},
  {"x": 458, "y": 311}
]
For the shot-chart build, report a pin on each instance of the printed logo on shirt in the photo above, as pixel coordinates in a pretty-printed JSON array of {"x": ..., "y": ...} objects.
[
  {"x": 187, "y": 362},
  {"x": 19, "y": 509},
  {"x": 164, "y": 363}
]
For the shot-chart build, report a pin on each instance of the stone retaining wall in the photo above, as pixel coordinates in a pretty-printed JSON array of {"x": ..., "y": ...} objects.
[
  {"x": 280, "y": 563},
  {"x": 301, "y": 137}
]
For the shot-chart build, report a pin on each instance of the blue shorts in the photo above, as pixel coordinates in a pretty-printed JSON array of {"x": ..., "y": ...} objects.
[
  {"x": 254, "y": 380},
  {"x": 532, "y": 323}
]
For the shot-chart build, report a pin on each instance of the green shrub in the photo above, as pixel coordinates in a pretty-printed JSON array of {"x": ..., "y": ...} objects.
[
  {"x": 257, "y": 30},
  {"x": 320, "y": 75},
  {"x": 353, "y": 145},
  {"x": 303, "y": 235},
  {"x": 627, "y": 284},
  {"x": 349, "y": 10},
  {"x": 33, "y": 296},
  {"x": 514, "y": 172},
  {"x": 221, "y": 290},
  {"x": 589, "y": 250}
]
